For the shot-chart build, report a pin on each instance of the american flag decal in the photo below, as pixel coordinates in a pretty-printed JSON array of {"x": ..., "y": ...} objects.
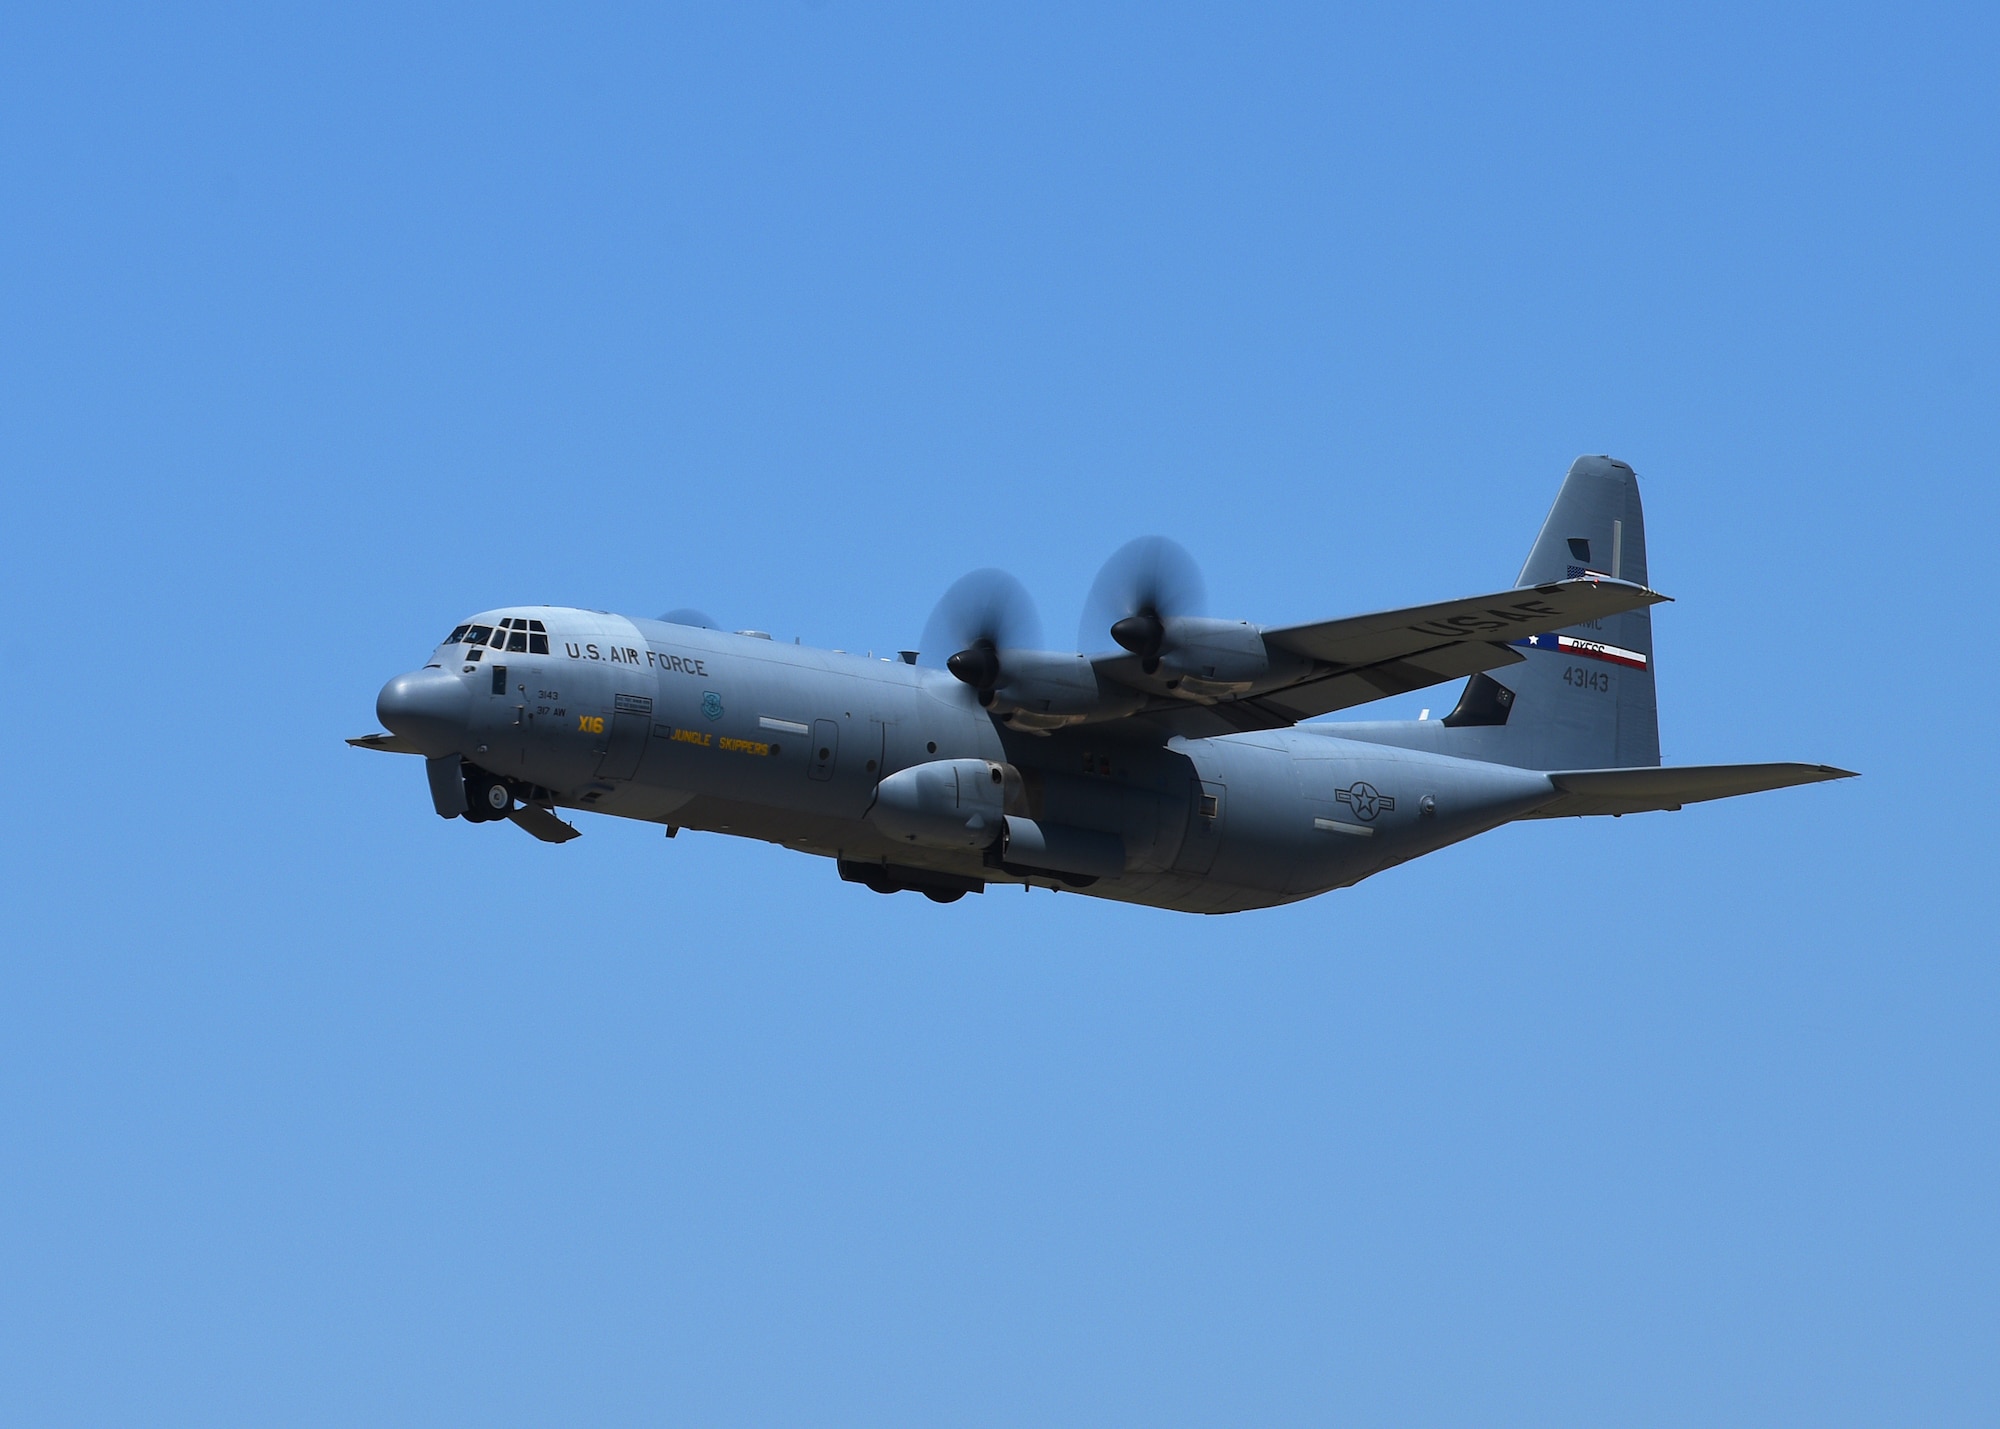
[{"x": 1587, "y": 649}]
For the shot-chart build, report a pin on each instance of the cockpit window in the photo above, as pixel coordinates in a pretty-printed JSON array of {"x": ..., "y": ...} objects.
[
  {"x": 519, "y": 633},
  {"x": 514, "y": 632}
]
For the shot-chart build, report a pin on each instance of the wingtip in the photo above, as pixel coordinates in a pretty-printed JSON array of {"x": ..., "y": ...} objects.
[{"x": 1651, "y": 596}]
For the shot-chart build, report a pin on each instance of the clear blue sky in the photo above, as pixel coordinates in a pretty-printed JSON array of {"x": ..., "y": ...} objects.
[{"x": 323, "y": 328}]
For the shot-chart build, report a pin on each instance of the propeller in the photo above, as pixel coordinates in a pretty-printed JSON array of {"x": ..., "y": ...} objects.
[
  {"x": 688, "y": 616},
  {"x": 1145, "y": 583},
  {"x": 979, "y": 616}
]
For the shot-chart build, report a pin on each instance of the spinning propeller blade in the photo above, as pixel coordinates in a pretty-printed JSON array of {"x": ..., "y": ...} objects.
[
  {"x": 981, "y": 614},
  {"x": 1145, "y": 583}
]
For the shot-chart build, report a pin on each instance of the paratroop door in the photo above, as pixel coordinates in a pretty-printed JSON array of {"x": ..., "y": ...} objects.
[{"x": 631, "y": 724}]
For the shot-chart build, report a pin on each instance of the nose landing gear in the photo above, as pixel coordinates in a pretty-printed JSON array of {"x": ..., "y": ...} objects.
[
  {"x": 493, "y": 796},
  {"x": 487, "y": 796}
]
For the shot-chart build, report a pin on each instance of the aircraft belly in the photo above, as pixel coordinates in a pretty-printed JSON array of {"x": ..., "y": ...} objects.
[{"x": 812, "y": 833}]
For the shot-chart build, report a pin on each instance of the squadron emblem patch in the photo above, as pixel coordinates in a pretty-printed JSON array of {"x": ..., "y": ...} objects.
[{"x": 711, "y": 705}]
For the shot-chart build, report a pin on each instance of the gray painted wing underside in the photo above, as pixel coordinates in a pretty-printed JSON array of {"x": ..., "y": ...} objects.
[{"x": 1391, "y": 652}]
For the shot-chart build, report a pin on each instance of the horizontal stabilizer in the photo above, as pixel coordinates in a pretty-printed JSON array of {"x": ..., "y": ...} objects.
[
  {"x": 387, "y": 743},
  {"x": 544, "y": 825},
  {"x": 1638, "y": 791}
]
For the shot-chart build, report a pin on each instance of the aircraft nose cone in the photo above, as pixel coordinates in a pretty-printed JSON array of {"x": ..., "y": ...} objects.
[{"x": 426, "y": 707}]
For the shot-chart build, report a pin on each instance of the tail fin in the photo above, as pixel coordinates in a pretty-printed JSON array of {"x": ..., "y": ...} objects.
[{"x": 1582, "y": 698}]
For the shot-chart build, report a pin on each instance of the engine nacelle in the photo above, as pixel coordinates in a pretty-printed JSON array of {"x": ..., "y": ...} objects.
[
  {"x": 947, "y": 803},
  {"x": 1222, "y": 657},
  {"x": 1045, "y": 682},
  {"x": 1041, "y": 689}
]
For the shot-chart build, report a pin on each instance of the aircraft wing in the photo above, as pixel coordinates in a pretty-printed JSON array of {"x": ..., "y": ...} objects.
[
  {"x": 1638, "y": 791},
  {"x": 1509, "y": 615},
  {"x": 1366, "y": 657}
]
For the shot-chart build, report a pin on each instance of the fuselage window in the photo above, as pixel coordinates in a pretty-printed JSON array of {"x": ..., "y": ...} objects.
[
  {"x": 457, "y": 635},
  {"x": 478, "y": 634},
  {"x": 538, "y": 638}
]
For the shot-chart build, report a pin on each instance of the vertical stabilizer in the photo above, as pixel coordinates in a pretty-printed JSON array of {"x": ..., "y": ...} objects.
[{"x": 1583, "y": 697}]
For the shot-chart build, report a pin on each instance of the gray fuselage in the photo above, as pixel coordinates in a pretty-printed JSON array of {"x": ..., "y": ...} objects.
[{"x": 737, "y": 734}]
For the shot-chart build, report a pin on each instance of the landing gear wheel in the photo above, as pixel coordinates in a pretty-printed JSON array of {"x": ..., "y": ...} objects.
[
  {"x": 951, "y": 897},
  {"x": 486, "y": 797}
]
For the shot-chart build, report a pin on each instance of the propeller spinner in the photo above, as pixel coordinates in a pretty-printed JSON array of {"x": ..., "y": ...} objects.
[
  {"x": 1145, "y": 583},
  {"x": 979, "y": 616}
]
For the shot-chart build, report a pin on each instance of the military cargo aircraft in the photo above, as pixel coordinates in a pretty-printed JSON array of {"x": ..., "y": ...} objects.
[{"x": 1164, "y": 762}]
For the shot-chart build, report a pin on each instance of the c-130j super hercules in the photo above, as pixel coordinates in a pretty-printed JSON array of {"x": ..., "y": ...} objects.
[{"x": 1169, "y": 768}]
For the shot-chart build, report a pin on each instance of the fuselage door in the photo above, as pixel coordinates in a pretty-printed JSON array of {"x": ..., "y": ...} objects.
[
  {"x": 825, "y": 749},
  {"x": 631, "y": 726}
]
